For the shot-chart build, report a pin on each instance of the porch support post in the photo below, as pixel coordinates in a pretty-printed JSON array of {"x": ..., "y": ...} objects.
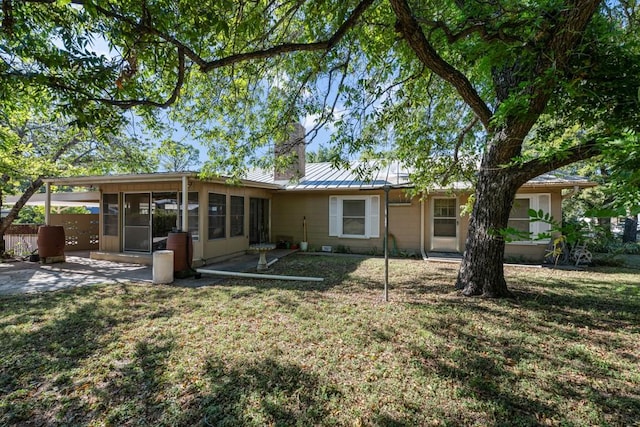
[
  {"x": 47, "y": 204},
  {"x": 185, "y": 203}
]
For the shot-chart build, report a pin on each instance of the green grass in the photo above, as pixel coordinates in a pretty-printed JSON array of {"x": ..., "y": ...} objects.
[{"x": 565, "y": 352}]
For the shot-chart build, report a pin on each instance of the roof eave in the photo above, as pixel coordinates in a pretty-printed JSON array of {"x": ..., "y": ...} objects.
[
  {"x": 148, "y": 178},
  {"x": 116, "y": 179}
]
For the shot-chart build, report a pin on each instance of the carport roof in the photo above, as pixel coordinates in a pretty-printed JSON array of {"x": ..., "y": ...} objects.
[
  {"x": 74, "y": 198},
  {"x": 95, "y": 180}
]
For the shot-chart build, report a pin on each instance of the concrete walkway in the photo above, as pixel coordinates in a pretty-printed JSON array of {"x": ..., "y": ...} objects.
[{"x": 78, "y": 270}]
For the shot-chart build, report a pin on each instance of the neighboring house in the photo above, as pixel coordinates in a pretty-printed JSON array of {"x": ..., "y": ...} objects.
[{"x": 340, "y": 210}]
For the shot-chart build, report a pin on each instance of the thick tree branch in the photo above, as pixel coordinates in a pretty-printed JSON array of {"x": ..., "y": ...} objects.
[
  {"x": 144, "y": 26},
  {"x": 557, "y": 44},
  {"x": 57, "y": 83},
  {"x": 539, "y": 166},
  {"x": 128, "y": 103},
  {"x": 573, "y": 20},
  {"x": 553, "y": 46},
  {"x": 479, "y": 28},
  {"x": 207, "y": 66},
  {"x": 19, "y": 204},
  {"x": 36, "y": 183},
  {"x": 410, "y": 29},
  {"x": 280, "y": 49},
  {"x": 7, "y": 17}
]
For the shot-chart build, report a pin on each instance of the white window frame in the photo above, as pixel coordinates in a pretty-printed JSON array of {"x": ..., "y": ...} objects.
[
  {"x": 371, "y": 218},
  {"x": 537, "y": 201}
]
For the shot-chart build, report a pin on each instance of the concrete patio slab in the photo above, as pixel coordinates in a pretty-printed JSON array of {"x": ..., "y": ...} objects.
[
  {"x": 30, "y": 277},
  {"x": 19, "y": 277}
]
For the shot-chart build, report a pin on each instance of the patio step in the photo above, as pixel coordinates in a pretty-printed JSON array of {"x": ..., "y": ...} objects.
[{"x": 143, "y": 259}]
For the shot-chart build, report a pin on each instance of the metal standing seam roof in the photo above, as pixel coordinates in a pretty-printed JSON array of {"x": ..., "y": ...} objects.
[
  {"x": 323, "y": 176},
  {"x": 560, "y": 178}
]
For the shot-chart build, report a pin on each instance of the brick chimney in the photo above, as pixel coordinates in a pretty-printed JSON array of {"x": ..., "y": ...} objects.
[{"x": 293, "y": 153}]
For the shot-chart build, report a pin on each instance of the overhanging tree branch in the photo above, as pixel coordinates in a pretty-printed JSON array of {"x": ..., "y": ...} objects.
[
  {"x": 280, "y": 49},
  {"x": 207, "y": 66},
  {"x": 57, "y": 83},
  {"x": 169, "y": 101},
  {"x": 456, "y": 149},
  {"x": 533, "y": 168},
  {"x": 573, "y": 20},
  {"x": 556, "y": 47},
  {"x": 410, "y": 29},
  {"x": 479, "y": 28},
  {"x": 184, "y": 51}
]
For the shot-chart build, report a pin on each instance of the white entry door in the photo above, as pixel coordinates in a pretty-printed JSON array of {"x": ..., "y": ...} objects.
[{"x": 444, "y": 224}]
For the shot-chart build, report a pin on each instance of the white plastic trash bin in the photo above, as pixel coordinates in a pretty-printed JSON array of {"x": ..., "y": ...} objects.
[{"x": 162, "y": 267}]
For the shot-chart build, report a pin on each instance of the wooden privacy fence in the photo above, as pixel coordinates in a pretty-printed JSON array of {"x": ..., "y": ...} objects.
[
  {"x": 21, "y": 239},
  {"x": 81, "y": 233}
]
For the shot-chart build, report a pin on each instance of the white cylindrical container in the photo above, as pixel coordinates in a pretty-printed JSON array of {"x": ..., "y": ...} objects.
[
  {"x": 162, "y": 267},
  {"x": 304, "y": 246}
]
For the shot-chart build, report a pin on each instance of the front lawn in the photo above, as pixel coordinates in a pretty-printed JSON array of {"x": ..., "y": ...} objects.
[{"x": 250, "y": 352}]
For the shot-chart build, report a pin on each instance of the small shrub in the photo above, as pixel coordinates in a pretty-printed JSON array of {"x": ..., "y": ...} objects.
[
  {"x": 516, "y": 259},
  {"x": 613, "y": 246},
  {"x": 341, "y": 249},
  {"x": 631, "y": 248},
  {"x": 608, "y": 261}
]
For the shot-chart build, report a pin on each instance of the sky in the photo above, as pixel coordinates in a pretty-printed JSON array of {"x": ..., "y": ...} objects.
[{"x": 101, "y": 47}]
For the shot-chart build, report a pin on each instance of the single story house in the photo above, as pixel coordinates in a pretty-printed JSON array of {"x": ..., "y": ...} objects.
[
  {"x": 333, "y": 209},
  {"x": 340, "y": 212}
]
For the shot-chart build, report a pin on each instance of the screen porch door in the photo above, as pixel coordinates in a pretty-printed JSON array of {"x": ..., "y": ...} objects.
[
  {"x": 137, "y": 222},
  {"x": 258, "y": 220}
]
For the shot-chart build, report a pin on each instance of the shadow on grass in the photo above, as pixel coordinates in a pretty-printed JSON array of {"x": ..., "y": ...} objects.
[
  {"x": 509, "y": 362},
  {"x": 489, "y": 389},
  {"x": 264, "y": 392},
  {"x": 45, "y": 343},
  {"x": 41, "y": 360},
  {"x": 594, "y": 304},
  {"x": 133, "y": 391},
  {"x": 569, "y": 345}
]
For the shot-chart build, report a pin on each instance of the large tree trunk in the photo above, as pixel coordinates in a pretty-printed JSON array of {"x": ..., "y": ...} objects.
[
  {"x": 481, "y": 271},
  {"x": 630, "y": 234}
]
